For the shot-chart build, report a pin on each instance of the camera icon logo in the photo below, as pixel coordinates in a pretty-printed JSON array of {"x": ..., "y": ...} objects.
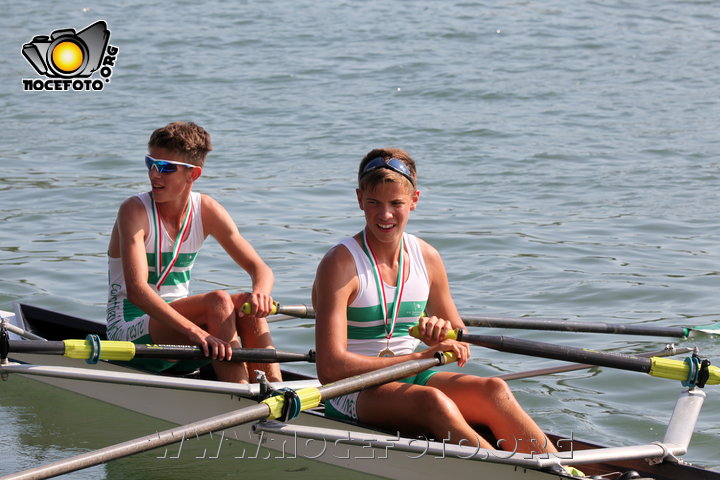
[{"x": 67, "y": 54}]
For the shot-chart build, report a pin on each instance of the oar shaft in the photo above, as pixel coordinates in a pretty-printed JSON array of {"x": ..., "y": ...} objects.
[
  {"x": 116, "y": 350},
  {"x": 37, "y": 346},
  {"x": 299, "y": 311},
  {"x": 558, "y": 352},
  {"x": 191, "y": 352},
  {"x": 580, "y": 366},
  {"x": 528, "y": 323},
  {"x": 657, "y": 367},
  {"x": 572, "y": 326},
  {"x": 384, "y": 375}
]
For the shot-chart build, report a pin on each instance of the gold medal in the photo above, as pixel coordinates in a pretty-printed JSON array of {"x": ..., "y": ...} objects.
[{"x": 386, "y": 353}]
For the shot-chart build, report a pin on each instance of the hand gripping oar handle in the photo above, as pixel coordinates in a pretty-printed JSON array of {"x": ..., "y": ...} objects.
[
  {"x": 688, "y": 372},
  {"x": 269, "y": 408},
  {"x": 299, "y": 311},
  {"x": 94, "y": 350}
]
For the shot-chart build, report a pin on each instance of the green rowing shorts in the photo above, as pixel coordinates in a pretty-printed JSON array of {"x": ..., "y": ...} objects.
[{"x": 344, "y": 407}]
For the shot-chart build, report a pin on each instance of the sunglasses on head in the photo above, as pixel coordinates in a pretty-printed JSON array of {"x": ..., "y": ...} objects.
[
  {"x": 165, "y": 166},
  {"x": 397, "y": 166}
]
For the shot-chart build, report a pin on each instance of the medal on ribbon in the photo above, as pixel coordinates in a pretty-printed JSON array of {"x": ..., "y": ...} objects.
[{"x": 390, "y": 318}]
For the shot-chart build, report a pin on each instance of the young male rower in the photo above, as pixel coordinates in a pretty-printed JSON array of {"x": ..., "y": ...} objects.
[
  {"x": 374, "y": 285},
  {"x": 153, "y": 246}
]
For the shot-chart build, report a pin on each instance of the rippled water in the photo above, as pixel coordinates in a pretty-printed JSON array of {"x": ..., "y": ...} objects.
[{"x": 568, "y": 162}]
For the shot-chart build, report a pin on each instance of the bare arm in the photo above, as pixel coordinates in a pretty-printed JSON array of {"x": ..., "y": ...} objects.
[
  {"x": 442, "y": 312},
  {"x": 440, "y": 301},
  {"x": 218, "y": 223}
]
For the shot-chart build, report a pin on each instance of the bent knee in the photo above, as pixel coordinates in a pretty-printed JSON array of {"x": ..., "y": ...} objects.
[
  {"x": 220, "y": 301},
  {"x": 434, "y": 400},
  {"x": 497, "y": 387}
]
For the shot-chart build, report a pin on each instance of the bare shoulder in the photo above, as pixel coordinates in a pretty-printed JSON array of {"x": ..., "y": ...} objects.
[
  {"x": 131, "y": 210},
  {"x": 336, "y": 284},
  {"x": 337, "y": 260},
  {"x": 131, "y": 203},
  {"x": 216, "y": 219},
  {"x": 131, "y": 225},
  {"x": 210, "y": 205},
  {"x": 430, "y": 254},
  {"x": 336, "y": 273}
]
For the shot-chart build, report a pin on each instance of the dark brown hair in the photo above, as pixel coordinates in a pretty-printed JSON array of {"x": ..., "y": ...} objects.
[{"x": 186, "y": 138}]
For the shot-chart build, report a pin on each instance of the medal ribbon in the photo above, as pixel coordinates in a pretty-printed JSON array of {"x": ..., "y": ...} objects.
[
  {"x": 389, "y": 319},
  {"x": 163, "y": 274}
]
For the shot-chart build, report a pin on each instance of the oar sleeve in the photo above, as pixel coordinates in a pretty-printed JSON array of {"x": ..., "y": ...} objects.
[
  {"x": 110, "y": 350},
  {"x": 687, "y": 372},
  {"x": 306, "y": 398}
]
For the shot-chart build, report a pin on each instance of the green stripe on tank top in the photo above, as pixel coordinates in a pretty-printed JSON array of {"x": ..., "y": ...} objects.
[
  {"x": 378, "y": 331},
  {"x": 408, "y": 309},
  {"x": 173, "y": 278},
  {"x": 184, "y": 259}
]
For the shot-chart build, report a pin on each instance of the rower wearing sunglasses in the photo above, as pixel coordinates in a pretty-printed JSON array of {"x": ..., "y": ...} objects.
[
  {"x": 369, "y": 290},
  {"x": 153, "y": 246}
]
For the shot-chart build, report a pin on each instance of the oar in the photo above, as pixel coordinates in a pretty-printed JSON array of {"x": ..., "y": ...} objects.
[
  {"x": 298, "y": 311},
  {"x": 304, "y": 311},
  {"x": 670, "y": 350},
  {"x": 270, "y": 408},
  {"x": 589, "y": 327},
  {"x": 691, "y": 372},
  {"x": 93, "y": 350}
]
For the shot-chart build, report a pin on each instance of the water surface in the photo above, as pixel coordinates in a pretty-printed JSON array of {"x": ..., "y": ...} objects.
[{"x": 567, "y": 155}]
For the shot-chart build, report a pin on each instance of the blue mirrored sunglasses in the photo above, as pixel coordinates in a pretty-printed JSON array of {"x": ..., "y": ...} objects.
[
  {"x": 164, "y": 166},
  {"x": 392, "y": 164}
]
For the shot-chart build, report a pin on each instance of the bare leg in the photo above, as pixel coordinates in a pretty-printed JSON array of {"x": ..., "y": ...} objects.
[
  {"x": 405, "y": 408},
  {"x": 489, "y": 402},
  {"x": 255, "y": 333},
  {"x": 214, "y": 312}
]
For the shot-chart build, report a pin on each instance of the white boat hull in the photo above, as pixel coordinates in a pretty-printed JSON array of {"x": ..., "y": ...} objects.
[{"x": 182, "y": 406}]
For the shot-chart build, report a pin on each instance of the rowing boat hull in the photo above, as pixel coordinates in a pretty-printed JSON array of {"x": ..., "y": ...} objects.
[{"x": 184, "y": 406}]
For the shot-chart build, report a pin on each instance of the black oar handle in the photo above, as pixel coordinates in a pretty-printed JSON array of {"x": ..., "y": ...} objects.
[
  {"x": 570, "y": 326},
  {"x": 558, "y": 352}
]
